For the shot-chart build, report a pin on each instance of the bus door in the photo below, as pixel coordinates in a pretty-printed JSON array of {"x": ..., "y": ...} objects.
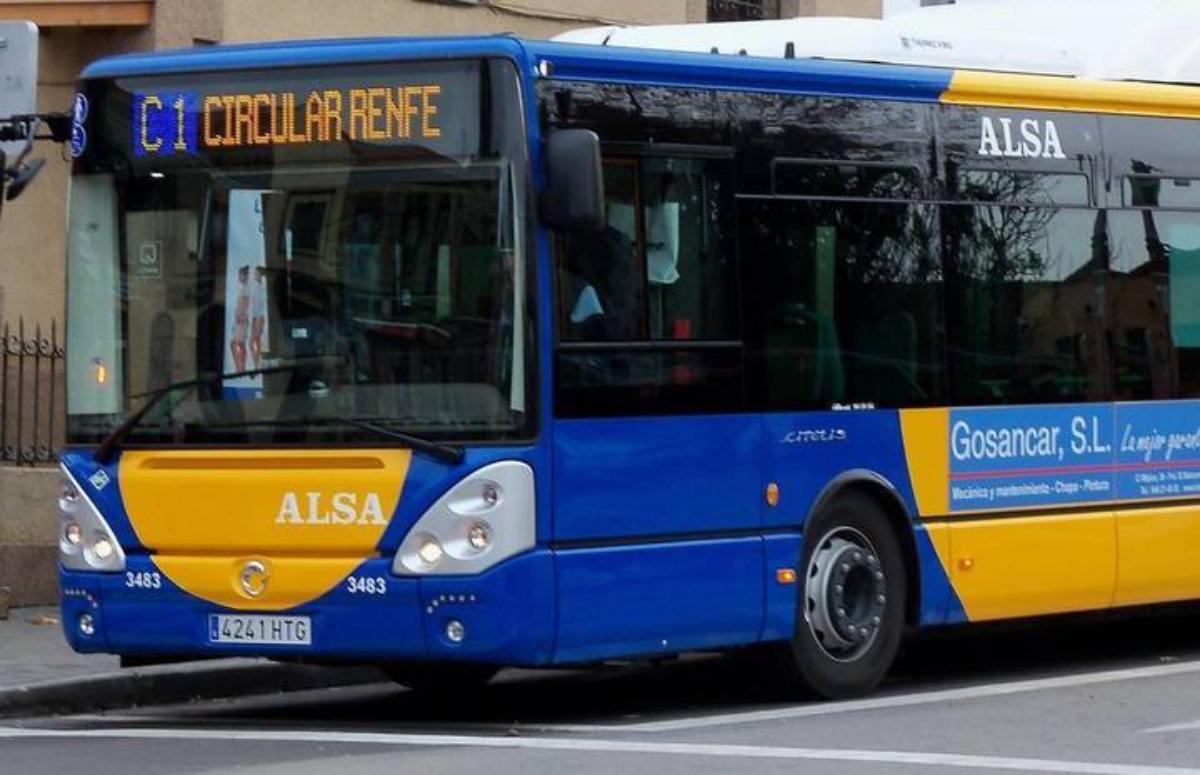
[{"x": 656, "y": 460}]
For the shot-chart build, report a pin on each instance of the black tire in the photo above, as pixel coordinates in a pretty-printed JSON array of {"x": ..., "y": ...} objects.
[
  {"x": 822, "y": 659},
  {"x": 445, "y": 677}
]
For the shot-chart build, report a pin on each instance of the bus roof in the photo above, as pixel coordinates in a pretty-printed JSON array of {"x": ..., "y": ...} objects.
[
  {"x": 585, "y": 62},
  {"x": 300, "y": 53}
]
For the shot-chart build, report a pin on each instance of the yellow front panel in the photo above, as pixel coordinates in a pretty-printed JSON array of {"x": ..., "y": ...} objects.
[
  {"x": 1026, "y": 566},
  {"x": 282, "y": 502},
  {"x": 1159, "y": 556},
  {"x": 292, "y": 580},
  {"x": 309, "y": 518}
]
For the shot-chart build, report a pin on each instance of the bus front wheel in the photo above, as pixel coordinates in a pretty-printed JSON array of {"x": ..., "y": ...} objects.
[{"x": 851, "y": 601}]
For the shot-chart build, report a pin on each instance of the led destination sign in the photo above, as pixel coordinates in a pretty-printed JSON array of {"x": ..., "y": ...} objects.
[{"x": 435, "y": 107}]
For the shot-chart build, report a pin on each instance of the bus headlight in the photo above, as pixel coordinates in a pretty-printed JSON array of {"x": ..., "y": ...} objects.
[
  {"x": 479, "y": 536},
  {"x": 85, "y": 541},
  {"x": 430, "y": 551},
  {"x": 488, "y": 517},
  {"x": 73, "y": 533}
]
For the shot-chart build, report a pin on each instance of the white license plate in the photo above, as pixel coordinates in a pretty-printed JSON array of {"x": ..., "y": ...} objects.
[{"x": 282, "y": 630}]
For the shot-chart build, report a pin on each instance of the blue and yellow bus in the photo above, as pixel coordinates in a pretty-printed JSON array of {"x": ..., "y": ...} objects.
[{"x": 452, "y": 354}]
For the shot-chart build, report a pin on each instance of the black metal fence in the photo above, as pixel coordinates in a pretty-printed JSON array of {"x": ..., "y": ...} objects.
[{"x": 31, "y": 394}]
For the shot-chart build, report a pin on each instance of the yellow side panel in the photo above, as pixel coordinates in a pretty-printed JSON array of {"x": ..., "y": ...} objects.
[
  {"x": 1055, "y": 93},
  {"x": 927, "y": 451},
  {"x": 1026, "y": 566},
  {"x": 1159, "y": 559}
]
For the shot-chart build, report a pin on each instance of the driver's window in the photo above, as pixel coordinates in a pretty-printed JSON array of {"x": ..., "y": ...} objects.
[{"x": 662, "y": 267}]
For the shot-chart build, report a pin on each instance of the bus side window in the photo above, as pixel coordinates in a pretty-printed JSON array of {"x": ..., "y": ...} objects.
[
  {"x": 600, "y": 291},
  {"x": 661, "y": 275},
  {"x": 1024, "y": 290},
  {"x": 849, "y": 299},
  {"x": 1153, "y": 318}
]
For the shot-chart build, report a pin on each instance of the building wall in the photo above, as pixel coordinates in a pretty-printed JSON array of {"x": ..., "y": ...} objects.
[
  {"x": 28, "y": 535},
  {"x": 32, "y": 228},
  {"x": 256, "y": 20},
  {"x": 867, "y": 8}
]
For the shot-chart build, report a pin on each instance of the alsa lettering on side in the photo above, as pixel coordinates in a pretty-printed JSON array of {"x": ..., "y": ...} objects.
[
  {"x": 1027, "y": 139},
  {"x": 342, "y": 508}
]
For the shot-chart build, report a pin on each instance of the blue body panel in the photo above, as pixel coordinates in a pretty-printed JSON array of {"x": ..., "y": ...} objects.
[
  {"x": 507, "y": 611},
  {"x": 656, "y": 476},
  {"x": 683, "y": 495},
  {"x": 658, "y": 598},
  {"x": 805, "y": 452}
]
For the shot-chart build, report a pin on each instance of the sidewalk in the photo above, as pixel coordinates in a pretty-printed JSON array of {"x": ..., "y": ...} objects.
[{"x": 40, "y": 674}]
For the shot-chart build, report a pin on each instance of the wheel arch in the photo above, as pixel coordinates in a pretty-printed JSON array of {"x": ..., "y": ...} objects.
[{"x": 877, "y": 487}]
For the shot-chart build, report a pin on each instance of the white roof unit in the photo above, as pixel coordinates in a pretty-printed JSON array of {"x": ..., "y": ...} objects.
[{"x": 1148, "y": 40}]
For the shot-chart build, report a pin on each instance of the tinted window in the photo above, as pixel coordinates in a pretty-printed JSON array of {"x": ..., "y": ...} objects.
[
  {"x": 1009, "y": 187},
  {"x": 648, "y": 307},
  {"x": 662, "y": 268},
  {"x": 1024, "y": 296},
  {"x": 848, "y": 299},
  {"x": 1155, "y": 317},
  {"x": 1151, "y": 191},
  {"x": 857, "y": 181}
]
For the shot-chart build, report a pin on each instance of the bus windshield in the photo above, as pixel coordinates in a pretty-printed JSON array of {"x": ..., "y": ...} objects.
[{"x": 342, "y": 244}]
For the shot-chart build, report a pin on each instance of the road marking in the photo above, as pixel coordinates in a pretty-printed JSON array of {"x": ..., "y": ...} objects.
[
  {"x": 896, "y": 701},
  {"x": 1187, "y": 726},
  {"x": 961, "y": 761}
]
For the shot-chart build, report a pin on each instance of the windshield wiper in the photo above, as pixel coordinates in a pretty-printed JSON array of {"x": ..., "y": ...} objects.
[
  {"x": 113, "y": 441},
  {"x": 445, "y": 453}
]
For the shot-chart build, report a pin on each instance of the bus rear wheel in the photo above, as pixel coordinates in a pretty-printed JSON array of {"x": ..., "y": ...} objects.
[{"x": 851, "y": 601}]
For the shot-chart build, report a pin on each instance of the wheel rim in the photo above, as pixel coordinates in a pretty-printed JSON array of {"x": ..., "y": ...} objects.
[{"x": 845, "y": 594}]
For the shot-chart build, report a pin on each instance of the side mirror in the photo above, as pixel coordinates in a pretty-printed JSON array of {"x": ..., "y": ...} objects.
[{"x": 573, "y": 200}]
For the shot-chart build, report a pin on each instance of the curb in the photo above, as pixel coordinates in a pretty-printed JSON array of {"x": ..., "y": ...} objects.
[{"x": 132, "y": 688}]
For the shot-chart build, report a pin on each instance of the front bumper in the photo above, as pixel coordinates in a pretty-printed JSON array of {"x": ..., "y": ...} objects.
[{"x": 507, "y": 612}]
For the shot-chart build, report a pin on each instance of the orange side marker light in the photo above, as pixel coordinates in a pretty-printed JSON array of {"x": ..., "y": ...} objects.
[
  {"x": 786, "y": 575},
  {"x": 772, "y": 494}
]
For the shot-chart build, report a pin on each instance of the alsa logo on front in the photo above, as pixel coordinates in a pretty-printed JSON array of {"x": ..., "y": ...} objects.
[
  {"x": 1027, "y": 139},
  {"x": 342, "y": 508}
]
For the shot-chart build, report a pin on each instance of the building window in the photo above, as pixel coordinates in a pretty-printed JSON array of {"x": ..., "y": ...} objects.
[{"x": 742, "y": 10}]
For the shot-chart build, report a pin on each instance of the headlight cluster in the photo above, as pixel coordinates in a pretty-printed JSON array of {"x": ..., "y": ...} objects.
[
  {"x": 485, "y": 518},
  {"x": 85, "y": 541}
]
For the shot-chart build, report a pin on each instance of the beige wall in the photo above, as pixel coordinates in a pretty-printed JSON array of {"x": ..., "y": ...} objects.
[
  {"x": 29, "y": 534},
  {"x": 258, "y": 20},
  {"x": 32, "y": 228},
  {"x": 868, "y": 8}
]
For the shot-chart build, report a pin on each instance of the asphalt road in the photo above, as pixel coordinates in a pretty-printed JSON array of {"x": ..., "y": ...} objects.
[{"x": 1098, "y": 696}]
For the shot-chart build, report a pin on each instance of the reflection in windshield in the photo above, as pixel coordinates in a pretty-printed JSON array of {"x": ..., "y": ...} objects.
[{"x": 407, "y": 275}]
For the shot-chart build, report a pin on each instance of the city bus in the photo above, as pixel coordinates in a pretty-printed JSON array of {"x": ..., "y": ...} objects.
[{"x": 454, "y": 354}]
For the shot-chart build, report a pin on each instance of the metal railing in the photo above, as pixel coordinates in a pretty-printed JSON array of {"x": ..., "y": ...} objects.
[{"x": 31, "y": 394}]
